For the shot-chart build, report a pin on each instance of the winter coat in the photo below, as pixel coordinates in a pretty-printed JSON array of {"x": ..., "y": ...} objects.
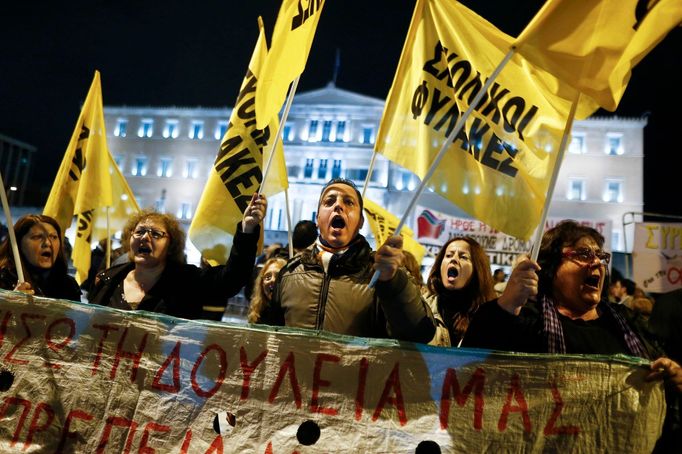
[
  {"x": 183, "y": 289},
  {"x": 341, "y": 302}
]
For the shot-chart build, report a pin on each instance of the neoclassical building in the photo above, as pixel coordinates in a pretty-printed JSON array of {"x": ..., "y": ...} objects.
[{"x": 166, "y": 154}]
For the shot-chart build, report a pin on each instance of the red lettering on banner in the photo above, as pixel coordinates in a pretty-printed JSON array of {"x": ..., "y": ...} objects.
[
  {"x": 677, "y": 272},
  {"x": 450, "y": 384},
  {"x": 3, "y": 326},
  {"x": 100, "y": 347},
  {"x": 247, "y": 370},
  {"x": 148, "y": 428},
  {"x": 9, "y": 357},
  {"x": 56, "y": 346},
  {"x": 135, "y": 356},
  {"x": 118, "y": 422},
  {"x": 24, "y": 413},
  {"x": 222, "y": 358},
  {"x": 550, "y": 428},
  {"x": 174, "y": 358},
  {"x": 287, "y": 365},
  {"x": 73, "y": 414},
  {"x": 216, "y": 447},
  {"x": 318, "y": 382},
  {"x": 362, "y": 383},
  {"x": 34, "y": 427},
  {"x": 516, "y": 393},
  {"x": 184, "y": 449},
  {"x": 392, "y": 383}
]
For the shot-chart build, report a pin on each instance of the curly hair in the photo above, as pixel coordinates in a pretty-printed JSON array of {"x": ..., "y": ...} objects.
[
  {"x": 258, "y": 299},
  {"x": 566, "y": 233},
  {"x": 478, "y": 290},
  {"x": 21, "y": 228},
  {"x": 176, "y": 248}
]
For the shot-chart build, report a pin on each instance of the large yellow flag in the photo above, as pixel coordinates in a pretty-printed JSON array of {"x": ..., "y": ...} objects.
[
  {"x": 499, "y": 167},
  {"x": 88, "y": 181},
  {"x": 294, "y": 32},
  {"x": 383, "y": 224},
  {"x": 593, "y": 45},
  {"x": 238, "y": 169}
]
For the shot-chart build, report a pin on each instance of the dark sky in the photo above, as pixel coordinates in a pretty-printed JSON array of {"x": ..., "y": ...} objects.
[{"x": 154, "y": 53}]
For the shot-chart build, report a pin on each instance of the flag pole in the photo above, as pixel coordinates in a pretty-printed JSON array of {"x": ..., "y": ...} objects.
[
  {"x": 266, "y": 171},
  {"x": 535, "y": 250},
  {"x": 451, "y": 138},
  {"x": 10, "y": 232},
  {"x": 369, "y": 173},
  {"x": 108, "y": 252}
]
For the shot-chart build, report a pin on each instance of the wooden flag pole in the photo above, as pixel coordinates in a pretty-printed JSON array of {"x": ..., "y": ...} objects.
[
  {"x": 10, "y": 231},
  {"x": 552, "y": 183},
  {"x": 451, "y": 138}
]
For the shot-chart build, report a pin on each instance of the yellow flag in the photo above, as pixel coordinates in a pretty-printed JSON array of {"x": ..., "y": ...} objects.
[
  {"x": 593, "y": 45},
  {"x": 383, "y": 224},
  {"x": 294, "y": 32},
  {"x": 499, "y": 167},
  {"x": 87, "y": 182},
  {"x": 238, "y": 169}
]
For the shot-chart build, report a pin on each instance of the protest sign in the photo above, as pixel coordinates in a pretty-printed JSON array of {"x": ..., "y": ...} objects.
[
  {"x": 657, "y": 256},
  {"x": 84, "y": 378}
]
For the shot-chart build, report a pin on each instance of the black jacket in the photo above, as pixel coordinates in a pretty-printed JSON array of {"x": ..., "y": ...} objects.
[
  {"x": 52, "y": 286},
  {"x": 183, "y": 289}
]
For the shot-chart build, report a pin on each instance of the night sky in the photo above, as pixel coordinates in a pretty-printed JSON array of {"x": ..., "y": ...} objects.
[{"x": 195, "y": 54}]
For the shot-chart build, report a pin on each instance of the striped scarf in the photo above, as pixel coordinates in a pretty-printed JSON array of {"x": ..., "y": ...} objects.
[{"x": 554, "y": 332}]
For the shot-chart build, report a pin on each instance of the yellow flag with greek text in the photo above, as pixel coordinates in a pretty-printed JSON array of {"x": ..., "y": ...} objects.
[
  {"x": 88, "y": 183},
  {"x": 593, "y": 45},
  {"x": 499, "y": 167},
  {"x": 237, "y": 172},
  {"x": 383, "y": 224},
  {"x": 291, "y": 41}
]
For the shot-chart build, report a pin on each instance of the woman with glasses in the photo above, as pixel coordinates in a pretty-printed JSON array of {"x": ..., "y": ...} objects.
[
  {"x": 39, "y": 239},
  {"x": 571, "y": 313},
  {"x": 157, "y": 279}
]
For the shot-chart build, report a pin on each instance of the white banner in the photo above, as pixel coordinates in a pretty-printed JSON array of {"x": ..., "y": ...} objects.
[
  {"x": 81, "y": 378},
  {"x": 657, "y": 256}
]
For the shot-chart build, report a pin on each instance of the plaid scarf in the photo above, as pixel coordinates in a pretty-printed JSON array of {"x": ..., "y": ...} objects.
[{"x": 554, "y": 333}]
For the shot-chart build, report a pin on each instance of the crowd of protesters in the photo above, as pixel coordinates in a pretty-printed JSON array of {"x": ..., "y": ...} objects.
[{"x": 565, "y": 302}]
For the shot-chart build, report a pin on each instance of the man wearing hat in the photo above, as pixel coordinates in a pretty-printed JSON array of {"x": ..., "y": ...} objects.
[{"x": 326, "y": 287}]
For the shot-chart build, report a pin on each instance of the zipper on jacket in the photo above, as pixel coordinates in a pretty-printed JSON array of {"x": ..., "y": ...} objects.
[{"x": 322, "y": 303}]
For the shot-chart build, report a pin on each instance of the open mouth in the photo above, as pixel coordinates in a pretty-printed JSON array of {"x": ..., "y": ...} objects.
[
  {"x": 144, "y": 250},
  {"x": 338, "y": 222},
  {"x": 453, "y": 272},
  {"x": 46, "y": 254},
  {"x": 592, "y": 281}
]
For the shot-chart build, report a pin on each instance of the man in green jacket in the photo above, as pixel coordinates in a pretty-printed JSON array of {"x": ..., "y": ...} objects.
[{"x": 326, "y": 287}]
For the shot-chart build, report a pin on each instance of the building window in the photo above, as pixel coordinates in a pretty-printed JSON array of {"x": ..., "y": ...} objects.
[
  {"x": 294, "y": 171},
  {"x": 614, "y": 144},
  {"x": 613, "y": 192},
  {"x": 357, "y": 175},
  {"x": 367, "y": 134},
  {"x": 336, "y": 170},
  {"x": 146, "y": 128},
  {"x": 196, "y": 131},
  {"x": 322, "y": 170},
  {"x": 190, "y": 168},
  {"x": 326, "y": 130},
  {"x": 121, "y": 127},
  {"x": 308, "y": 170},
  {"x": 170, "y": 129},
  {"x": 139, "y": 168},
  {"x": 220, "y": 130},
  {"x": 576, "y": 189},
  {"x": 165, "y": 168},
  {"x": 340, "y": 131},
  {"x": 286, "y": 133},
  {"x": 312, "y": 131},
  {"x": 577, "y": 144},
  {"x": 185, "y": 211},
  {"x": 118, "y": 159}
]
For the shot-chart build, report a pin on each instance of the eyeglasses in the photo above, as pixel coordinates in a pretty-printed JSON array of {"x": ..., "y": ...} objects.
[
  {"x": 586, "y": 256},
  {"x": 155, "y": 234}
]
